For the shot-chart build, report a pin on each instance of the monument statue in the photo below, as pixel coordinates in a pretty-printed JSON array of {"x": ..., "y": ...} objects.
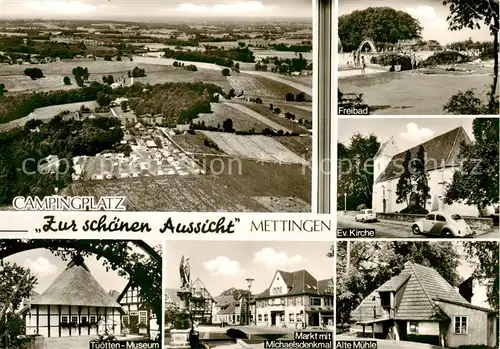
[{"x": 185, "y": 273}]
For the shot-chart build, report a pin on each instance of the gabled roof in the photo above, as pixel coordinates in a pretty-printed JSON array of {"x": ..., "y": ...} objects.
[
  {"x": 228, "y": 309},
  {"x": 172, "y": 296},
  {"x": 421, "y": 288},
  {"x": 441, "y": 151},
  {"x": 203, "y": 285},
  {"x": 76, "y": 286},
  {"x": 298, "y": 282}
]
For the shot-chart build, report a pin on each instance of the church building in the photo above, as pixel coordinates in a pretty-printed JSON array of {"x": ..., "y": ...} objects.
[{"x": 442, "y": 161}]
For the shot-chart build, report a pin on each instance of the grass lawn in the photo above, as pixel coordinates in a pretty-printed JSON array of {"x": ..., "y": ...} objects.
[{"x": 412, "y": 94}]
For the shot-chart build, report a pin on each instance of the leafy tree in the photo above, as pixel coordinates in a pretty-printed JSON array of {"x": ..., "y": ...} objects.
[
  {"x": 471, "y": 14},
  {"x": 484, "y": 256},
  {"x": 476, "y": 182},
  {"x": 67, "y": 80},
  {"x": 237, "y": 67},
  {"x": 226, "y": 72},
  {"x": 381, "y": 24},
  {"x": 362, "y": 267},
  {"x": 355, "y": 169},
  {"x": 107, "y": 58},
  {"x": 103, "y": 99},
  {"x": 301, "y": 97},
  {"x": 404, "y": 186},
  {"x": 33, "y": 73},
  {"x": 467, "y": 103},
  {"x": 421, "y": 177},
  {"x": 124, "y": 106},
  {"x": 289, "y": 97},
  {"x": 227, "y": 126},
  {"x": 118, "y": 58},
  {"x": 138, "y": 72},
  {"x": 81, "y": 75}
]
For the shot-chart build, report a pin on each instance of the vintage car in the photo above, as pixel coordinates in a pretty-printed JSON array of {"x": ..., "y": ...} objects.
[
  {"x": 443, "y": 224},
  {"x": 366, "y": 215}
]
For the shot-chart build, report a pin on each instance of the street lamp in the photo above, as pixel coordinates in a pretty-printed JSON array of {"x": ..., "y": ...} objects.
[
  {"x": 249, "y": 283},
  {"x": 345, "y": 203}
]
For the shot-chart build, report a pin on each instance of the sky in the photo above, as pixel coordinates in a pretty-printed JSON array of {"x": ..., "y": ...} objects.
[
  {"x": 115, "y": 9},
  {"x": 406, "y": 132},
  {"x": 222, "y": 265},
  {"x": 431, "y": 14},
  {"x": 47, "y": 268}
]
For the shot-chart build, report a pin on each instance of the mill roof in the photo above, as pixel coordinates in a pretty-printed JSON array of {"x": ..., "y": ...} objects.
[{"x": 421, "y": 287}]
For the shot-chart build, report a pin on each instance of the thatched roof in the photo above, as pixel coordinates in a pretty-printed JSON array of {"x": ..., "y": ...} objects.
[
  {"x": 441, "y": 151},
  {"x": 76, "y": 286},
  {"x": 422, "y": 290}
]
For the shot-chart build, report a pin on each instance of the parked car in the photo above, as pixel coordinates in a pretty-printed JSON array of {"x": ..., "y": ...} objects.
[
  {"x": 366, "y": 216},
  {"x": 443, "y": 224}
]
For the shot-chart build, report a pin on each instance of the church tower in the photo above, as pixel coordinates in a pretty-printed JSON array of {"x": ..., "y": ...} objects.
[{"x": 383, "y": 157}]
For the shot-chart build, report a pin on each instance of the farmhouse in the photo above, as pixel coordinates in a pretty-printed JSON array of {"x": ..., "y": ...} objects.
[
  {"x": 138, "y": 318},
  {"x": 296, "y": 299},
  {"x": 420, "y": 305},
  {"x": 74, "y": 305},
  {"x": 441, "y": 162}
]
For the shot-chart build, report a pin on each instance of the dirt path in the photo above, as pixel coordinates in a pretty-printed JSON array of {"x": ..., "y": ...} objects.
[{"x": 257, "y": 116}]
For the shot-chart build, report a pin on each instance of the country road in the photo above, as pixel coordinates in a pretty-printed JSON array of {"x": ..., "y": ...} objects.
[{"x": 392, "y": 229}]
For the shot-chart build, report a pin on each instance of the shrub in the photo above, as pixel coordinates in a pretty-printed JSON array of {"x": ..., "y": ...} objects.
[
  {"x": 33, "y": 73},
  {"x": 361, "y": 207},
  {"x": 67, "y": 80},
  {"x": 414, "y": 209},
  {"x": 390, "y": 59},
  {"x": 445, "y": 57},
  {"x": 226, "y": 72},
  {"x": 467, "y": 103}
]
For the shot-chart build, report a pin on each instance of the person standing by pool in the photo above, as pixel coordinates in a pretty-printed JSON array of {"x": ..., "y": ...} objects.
[
  {"x": 363, "y": 65},
  {"x": 354, "y": 58}
]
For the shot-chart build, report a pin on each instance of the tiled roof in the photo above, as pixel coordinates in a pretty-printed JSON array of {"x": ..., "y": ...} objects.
[
  {"x": 229, "y": 309},
  {"x": 422, "y": 288},
  {"x": 298, "y": 282},
  {"x": 172, "y": 297},
  {"x": 441, "y": 151}
]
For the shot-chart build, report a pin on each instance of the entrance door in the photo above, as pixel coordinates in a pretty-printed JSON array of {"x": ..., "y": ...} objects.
[
  {"x": 133, "y": 325},
  {"x": 273, "y": 318},
  {"x": 384, "y": 205}
]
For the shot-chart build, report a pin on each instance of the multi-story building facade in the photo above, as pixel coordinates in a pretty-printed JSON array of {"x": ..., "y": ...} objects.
[
  {"x": 138, "y": 318},
  {"x": 201, "y": 303},
  {"x": 234, "y": 311},
  {"x": 296, "y": 299}
]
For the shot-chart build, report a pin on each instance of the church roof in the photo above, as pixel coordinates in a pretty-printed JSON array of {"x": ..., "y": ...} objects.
[
  {"x": 76, "y": 286},
  {"x": 441, "y": 151},
  {"x": 422, "y": 288}
]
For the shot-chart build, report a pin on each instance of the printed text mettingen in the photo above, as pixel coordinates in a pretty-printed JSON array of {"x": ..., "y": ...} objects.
[{"x": 309, "y": 225}]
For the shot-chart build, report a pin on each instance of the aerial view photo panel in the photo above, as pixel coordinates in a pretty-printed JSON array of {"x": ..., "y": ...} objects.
[
  {"x": 418, "y": 178},
  {"x": 209, "y": 103},
  {"x": 418, "y": 57}
]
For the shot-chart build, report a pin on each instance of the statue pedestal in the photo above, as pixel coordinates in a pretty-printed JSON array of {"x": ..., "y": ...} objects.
[{"x": 179, "y": 339}]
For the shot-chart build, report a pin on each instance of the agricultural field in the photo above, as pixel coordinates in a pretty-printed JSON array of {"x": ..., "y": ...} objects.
[
  {"x": 300, "y": 111},
  {"x": 256, "y": 147},
  {"x": 259, "y": 86},
  {"x": 194, "y": 144},
  {"x": 213, "y": 192},
  {"x": 306, "y": 80},
  {"x": 14, "y": 79},
  {"x": 47, "y": 113},
  {"x": 264, "y": 179},
  {"x": 282, "y": 54},
  {"x": 223, "y": 111},
  {"x": 279, "y": 79},
  {"x": 238, "y": 107},
  {"x": 263, "y": 109},
  {"x": 300, "y": 145}
]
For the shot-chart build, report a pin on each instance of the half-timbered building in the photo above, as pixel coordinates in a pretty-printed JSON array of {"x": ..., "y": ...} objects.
[{"x": 75, "y": 304}]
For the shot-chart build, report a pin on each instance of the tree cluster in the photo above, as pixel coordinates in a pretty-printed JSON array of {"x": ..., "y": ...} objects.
[
  {"x": 34, "y": 73},
  {"x": 381, "y": 24}
]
